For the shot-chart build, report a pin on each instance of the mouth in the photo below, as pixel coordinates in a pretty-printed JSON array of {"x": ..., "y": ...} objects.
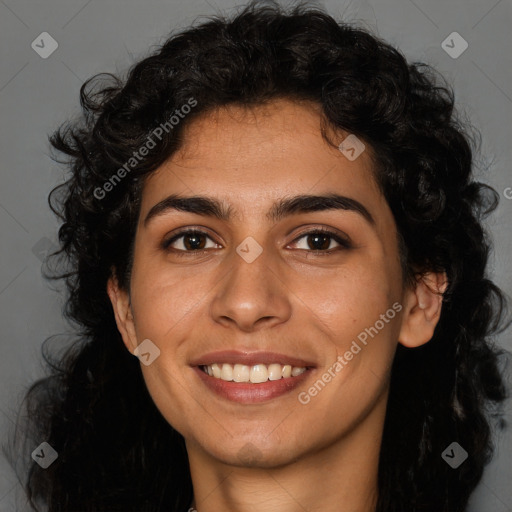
[
  {"x": 255, "y": 374},
  {"x": 251, "y": 377}
]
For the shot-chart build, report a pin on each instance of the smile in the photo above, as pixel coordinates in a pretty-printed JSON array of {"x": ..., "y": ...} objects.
[
  {"x": 249, "y": 377},
  {"x": 255, "y": 374}
]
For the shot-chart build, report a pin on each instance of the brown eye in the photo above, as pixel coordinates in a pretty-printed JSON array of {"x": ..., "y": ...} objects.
[
  {"x": 320, "y": 240},
  {"x": 191, "y": 241},
  {"x": 194, "y": 241}
]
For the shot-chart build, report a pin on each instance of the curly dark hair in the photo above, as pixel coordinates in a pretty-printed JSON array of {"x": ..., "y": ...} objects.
[{"x": 116, "y": 451}]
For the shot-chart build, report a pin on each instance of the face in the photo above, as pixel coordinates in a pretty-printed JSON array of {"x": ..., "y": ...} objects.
[{"x": 266, "y": 283}]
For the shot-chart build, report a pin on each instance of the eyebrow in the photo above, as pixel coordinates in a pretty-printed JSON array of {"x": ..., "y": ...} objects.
[{"x": 212, "y": 207}]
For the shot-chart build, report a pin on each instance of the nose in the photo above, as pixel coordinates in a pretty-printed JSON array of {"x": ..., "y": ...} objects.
[{"x": 252, "y": 296}]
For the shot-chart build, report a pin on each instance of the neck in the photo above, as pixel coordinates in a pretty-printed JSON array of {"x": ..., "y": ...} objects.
[{"x": 340, "y": 477}]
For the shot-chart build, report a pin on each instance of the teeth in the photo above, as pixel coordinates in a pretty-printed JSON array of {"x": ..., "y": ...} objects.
[
  {"x": 216, "y": 371},
  {"x": 286, "y": 371},
  {"x": 227, "y": 372},
  {"x": 275, "y": 371},
  {"x": 241, "y": 373},
  {"x": 297, "y": 371},
  {"x": 259, "y": 373},
  {"x": 254, "y": 374}
]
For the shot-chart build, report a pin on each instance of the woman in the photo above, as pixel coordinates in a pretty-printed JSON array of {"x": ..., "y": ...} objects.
[{"x": 277, "y": 266}]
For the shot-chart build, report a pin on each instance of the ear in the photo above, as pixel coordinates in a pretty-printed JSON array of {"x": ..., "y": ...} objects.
[
  {"x": 120, "y": 300},
  {"x": 422, "y": 309}
]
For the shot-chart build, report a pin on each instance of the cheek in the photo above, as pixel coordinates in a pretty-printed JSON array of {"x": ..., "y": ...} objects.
[
  {"x": 168, "y": 392},
  {"x": 352, "y": 297},
  {"x": 163, "y": 296},
  {"x": 353, "y": 306}
]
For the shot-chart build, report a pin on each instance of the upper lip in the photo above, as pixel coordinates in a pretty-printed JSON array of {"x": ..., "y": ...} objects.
[{"x": 249, "y": 359}]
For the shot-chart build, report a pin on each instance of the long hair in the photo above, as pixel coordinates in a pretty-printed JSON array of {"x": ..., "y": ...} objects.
[{"x": 115, "y": 450}]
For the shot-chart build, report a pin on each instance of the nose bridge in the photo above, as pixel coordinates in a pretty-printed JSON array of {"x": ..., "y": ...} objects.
[{"x": 252, "y": 293}]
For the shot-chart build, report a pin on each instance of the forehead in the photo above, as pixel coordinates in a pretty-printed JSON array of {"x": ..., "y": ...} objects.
[{"x": 251, "y": 157}]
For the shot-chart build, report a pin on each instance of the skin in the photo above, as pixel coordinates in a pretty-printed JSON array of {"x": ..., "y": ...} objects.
[{"x": 280, "y": 454}]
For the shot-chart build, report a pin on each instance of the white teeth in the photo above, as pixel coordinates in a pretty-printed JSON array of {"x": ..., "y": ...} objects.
[
  {"x": 274, "y": 372},
  {"x": 286, "y": 371},
  {"x": 241, "y": 373},
  {"x": 259, "y": 373},
  {"x": 216, "y": 370},
  {"x": 254, "y": 374},
  {"x": 297, "y": 371},
  {"x": 227, "y": 372}
]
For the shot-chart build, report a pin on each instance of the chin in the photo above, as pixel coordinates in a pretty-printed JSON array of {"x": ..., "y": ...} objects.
[
  {"x": 252, "y": 451},
  {"x": 251, "y": 456}
]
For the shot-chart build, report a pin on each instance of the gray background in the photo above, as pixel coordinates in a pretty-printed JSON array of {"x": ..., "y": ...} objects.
[{"x": 37, "y": 94}]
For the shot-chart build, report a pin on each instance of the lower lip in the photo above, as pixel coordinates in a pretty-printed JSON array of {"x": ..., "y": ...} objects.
[{"x": 247, "y": 393}]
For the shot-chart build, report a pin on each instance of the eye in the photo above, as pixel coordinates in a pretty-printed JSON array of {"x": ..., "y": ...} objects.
[
  {"x": 192, "y": 240},
  {"x": 319, "y": 240}
]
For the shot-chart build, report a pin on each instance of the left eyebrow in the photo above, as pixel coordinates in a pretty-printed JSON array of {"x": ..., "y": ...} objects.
[{"x": 212, "y": 207}]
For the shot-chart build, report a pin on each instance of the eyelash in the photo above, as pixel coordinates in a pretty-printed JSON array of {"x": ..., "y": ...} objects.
[{"x": 344, "y": 243}]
